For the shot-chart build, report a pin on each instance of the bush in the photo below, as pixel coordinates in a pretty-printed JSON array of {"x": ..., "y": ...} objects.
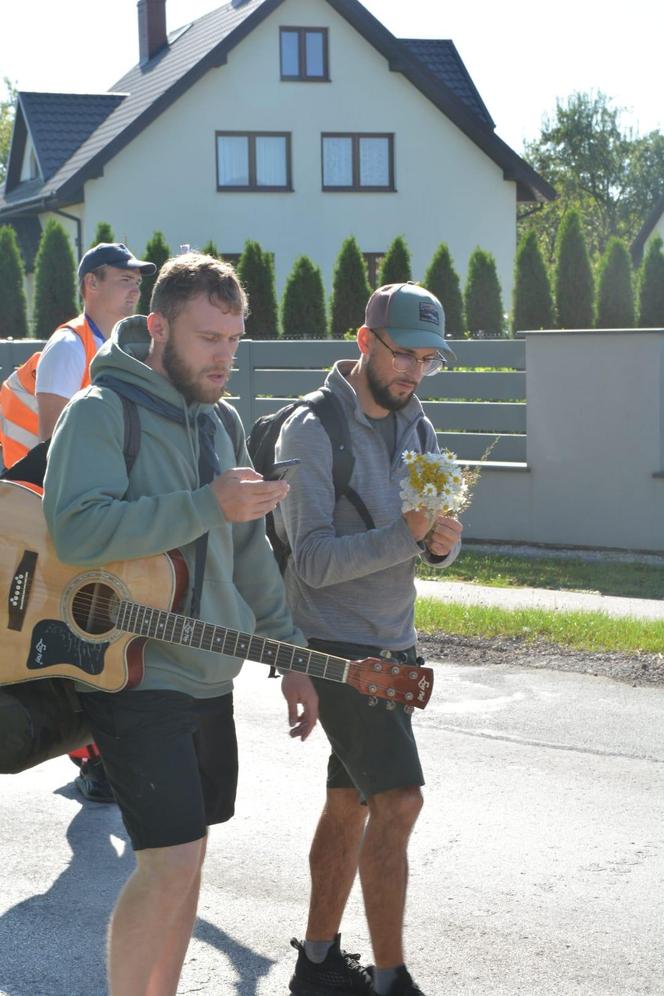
[
  {"x": 395, "y": 268},
  {"x": 303, "y": 304},
  {"x": 350, "y": 290},
  {"x": 256, "y": 272},
  {"x": 651, "y": 286},
  {"x": 210, "y": 249},
  {"x": 103, "y": 233},
  {"x": 442, "y": 280},
  {"x": 482, "y": 297},
  {"x": 615, "y": 294},
  {"x": 13, "y": 313},
  {"x": 532, "y": 303},
  {"x": 55, "y": 281},
  {"x": 157, "y": 251},
  {"x": 574, "y": 278}
]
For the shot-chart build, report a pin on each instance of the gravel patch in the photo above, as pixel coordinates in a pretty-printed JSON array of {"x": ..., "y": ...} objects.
[{"x": 634, "y": 669}]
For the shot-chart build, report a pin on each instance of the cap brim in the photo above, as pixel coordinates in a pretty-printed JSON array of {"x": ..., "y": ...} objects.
[
  {"x": 137, "y": 264},
  {"x": 420, "y": 339}
]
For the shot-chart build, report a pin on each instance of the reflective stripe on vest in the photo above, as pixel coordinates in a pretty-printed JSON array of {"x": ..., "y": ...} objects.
[{"x": 19, "y": 414}]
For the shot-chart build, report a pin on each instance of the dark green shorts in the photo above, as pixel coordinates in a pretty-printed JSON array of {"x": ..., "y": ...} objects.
[{"x": 373, "y": 748}]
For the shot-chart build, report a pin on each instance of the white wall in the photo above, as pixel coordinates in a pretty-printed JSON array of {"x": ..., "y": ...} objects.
[{"x": 447, "y": 189}]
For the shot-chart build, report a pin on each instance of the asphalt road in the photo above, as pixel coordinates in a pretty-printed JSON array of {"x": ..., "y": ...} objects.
[{"x": 537, "y": 866}]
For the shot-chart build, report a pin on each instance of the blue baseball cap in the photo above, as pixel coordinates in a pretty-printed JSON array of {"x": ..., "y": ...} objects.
[{"x": 112, "y": 254}]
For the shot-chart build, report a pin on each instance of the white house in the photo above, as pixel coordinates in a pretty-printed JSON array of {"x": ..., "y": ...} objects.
[{"x": 292, "y": 122}]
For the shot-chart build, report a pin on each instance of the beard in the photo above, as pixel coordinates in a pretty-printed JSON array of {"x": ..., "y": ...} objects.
[
  {"x": 380, "y": 392},
  {"x": 190, "y": 384}
]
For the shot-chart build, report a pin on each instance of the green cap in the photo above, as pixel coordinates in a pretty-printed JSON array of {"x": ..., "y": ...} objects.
[{"x": 413, "y": 316}]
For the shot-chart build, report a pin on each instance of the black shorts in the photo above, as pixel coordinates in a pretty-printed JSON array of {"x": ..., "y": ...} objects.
[
  {"x": 373, "y": 748},
  {"x": 171, "y": 760}
]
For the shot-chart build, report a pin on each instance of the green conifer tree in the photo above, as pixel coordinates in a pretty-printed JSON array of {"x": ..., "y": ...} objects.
[
  {"x": 532, "y": 302},
  {"x": 103, "y": 233},
  {"x": 482, "y": 297},
  {"x": 256, "y": 272},
  {"x": 396, "y": 268},
  {"x": 350, "y": 290},
  {"x": 442, "y": 280},
  {"x": 157, "y": 251},
  {"x": 210, "y": 249},
  {"x": 651, "y": 286},
  {"x": 573, "y": 276},
  {"x": 303, "y": 302},
  {"x": 615, "y": 291},
  {"x": 55, "y": 281},
  {"x": 13, "y": 310}
]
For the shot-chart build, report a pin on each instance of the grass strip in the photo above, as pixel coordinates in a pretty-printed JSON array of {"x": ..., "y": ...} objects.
[
  {"x": 592, "y": 631},
  {"x": 629, "y": 580}
]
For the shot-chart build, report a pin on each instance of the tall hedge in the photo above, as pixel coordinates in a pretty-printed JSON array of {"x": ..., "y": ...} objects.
[
  {"x": 303, "y": 303},
  {"x": 482, "y": 296},
  {"x": 103, "y": 233},
  {"x": 532, "y": 306},
  {"x": 573, "y": 276},
  {"x": 13, "y": 310},
  {"x": 210, "y": 249},
  {"x": 615, "y": 293},
  {"x": 350, "y": 290},
  {"x": 256, "y": 272},
  {"x": 442, "y": 280},
  {"x": 651, "y": 286},
  {"x": 395, "y": 268},
  {"x": 157, "y": 251},
  {"x": 55, "y": 280}
]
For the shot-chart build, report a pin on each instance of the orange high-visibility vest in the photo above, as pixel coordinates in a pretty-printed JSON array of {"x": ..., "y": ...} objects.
[{"x": 19, "y": 415}]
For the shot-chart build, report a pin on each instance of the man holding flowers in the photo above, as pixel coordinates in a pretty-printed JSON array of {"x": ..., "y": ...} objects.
[{"x": 351, "y": 590}]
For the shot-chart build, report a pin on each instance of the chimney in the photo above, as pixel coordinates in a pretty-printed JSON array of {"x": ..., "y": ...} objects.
[{"x": 151, "y": 28}]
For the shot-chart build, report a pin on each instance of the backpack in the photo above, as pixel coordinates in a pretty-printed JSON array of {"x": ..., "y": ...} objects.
[{"x": 329, "y": 411}]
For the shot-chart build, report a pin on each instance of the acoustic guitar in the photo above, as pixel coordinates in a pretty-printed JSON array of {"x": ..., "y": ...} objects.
[{"x": 91, "y": 625}]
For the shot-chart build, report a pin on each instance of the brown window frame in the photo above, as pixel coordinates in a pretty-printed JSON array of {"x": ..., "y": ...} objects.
[
  {"x": 356, "y": 137},
  {"x": 302, "y": 76},
  {"x": 252, "y": 187}
]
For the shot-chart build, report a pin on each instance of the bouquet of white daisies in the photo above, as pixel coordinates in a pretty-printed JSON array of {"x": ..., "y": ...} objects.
[{"x": 435, "y": 483}]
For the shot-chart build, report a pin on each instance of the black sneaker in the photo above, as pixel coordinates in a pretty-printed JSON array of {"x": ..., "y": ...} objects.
[
  {"x": 339, "y": 975},
  {"x": 93, "y": 784},
  {"x": 403, "y": 985}
]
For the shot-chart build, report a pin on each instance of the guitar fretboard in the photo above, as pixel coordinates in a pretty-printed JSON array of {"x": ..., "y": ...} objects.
[{"x": 157, "y": 624}]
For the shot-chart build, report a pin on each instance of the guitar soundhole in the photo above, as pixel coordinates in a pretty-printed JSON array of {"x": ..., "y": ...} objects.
[{"x": 94, "y": 608}]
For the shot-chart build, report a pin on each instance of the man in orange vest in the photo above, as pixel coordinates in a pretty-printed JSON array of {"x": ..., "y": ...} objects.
[{"x": 33, "y": 396}]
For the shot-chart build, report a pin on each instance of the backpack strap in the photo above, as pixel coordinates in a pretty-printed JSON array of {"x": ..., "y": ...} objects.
[
  {"x": 422, "y": 435},
  {"x": 329, "y": 411},
  {"x": 132, "y": 432},
  {"x": 231, "y": 424}
]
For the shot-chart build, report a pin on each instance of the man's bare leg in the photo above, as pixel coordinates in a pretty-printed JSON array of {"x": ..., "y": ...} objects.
[
  {"x": 153, "y": 919},
  {"x": 333, "y": 861},
  {"x": 383, "y": 864}
]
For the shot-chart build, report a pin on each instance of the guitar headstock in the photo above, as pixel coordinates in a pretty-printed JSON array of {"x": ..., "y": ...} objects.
[{"x": 406, "y": 684}]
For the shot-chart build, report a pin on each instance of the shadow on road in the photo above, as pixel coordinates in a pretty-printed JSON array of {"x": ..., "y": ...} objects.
[{"x": 53, "y": 943}]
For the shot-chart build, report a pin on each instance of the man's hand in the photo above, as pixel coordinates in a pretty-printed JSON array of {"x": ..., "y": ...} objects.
[
  {"x": 443, "y": 535},
  {"x": 298, "y": 690},
  {"x": 419, "y": 523},
  {"x": 243, "y": 495}
]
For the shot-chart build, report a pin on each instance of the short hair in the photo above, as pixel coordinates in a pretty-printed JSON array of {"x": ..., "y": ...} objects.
[
  {"x": 99, "y": 272},
  {"x": 192, "y": 273}
]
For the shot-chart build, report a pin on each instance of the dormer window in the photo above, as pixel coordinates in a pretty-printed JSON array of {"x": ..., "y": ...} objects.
[{"x": 304, "y": 54}]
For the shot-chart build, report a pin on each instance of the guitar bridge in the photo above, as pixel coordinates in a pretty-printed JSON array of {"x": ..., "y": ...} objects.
[{"x": 19, "y": 589}]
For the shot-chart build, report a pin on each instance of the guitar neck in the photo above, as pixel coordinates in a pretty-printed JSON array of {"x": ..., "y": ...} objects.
[{"x": 169, "y": 627}]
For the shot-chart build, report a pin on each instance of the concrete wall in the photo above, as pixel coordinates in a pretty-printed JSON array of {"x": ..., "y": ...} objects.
[{"x": 446, "y": 188}]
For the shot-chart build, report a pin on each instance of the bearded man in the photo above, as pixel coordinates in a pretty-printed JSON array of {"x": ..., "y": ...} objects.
[
  {"x": 168, "y": 744},
  {"x": 352, "y": 594}
]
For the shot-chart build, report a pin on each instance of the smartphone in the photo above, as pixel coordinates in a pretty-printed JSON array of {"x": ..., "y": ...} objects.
[{"x": 281, "y": 469}]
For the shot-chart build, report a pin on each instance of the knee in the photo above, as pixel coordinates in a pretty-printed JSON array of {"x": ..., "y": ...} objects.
[
  {"x": 174, "y": 870},
  {"x": 398, "y": 806}
]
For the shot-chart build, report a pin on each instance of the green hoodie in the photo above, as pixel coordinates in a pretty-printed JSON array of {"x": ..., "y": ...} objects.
[{"x": 97, "y": 515}]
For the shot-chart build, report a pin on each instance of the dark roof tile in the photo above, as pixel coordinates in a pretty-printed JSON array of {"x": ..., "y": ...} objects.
[{"x": 443, "y": 61}]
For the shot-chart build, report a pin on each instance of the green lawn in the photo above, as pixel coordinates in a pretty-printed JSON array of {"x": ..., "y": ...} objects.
[
  {"x": 591, "y": 631},
  {"x": 631, "y": 580}
]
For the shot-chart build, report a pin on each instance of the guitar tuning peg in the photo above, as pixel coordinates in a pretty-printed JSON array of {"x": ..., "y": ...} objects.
[
  {"x": 390, "y": 706},
  {"x": 409, "y": 710},
  {"x": 373, "y": 701}
]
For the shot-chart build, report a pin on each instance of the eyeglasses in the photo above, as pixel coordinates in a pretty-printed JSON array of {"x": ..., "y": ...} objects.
[{"x": 404, "y": 362}]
